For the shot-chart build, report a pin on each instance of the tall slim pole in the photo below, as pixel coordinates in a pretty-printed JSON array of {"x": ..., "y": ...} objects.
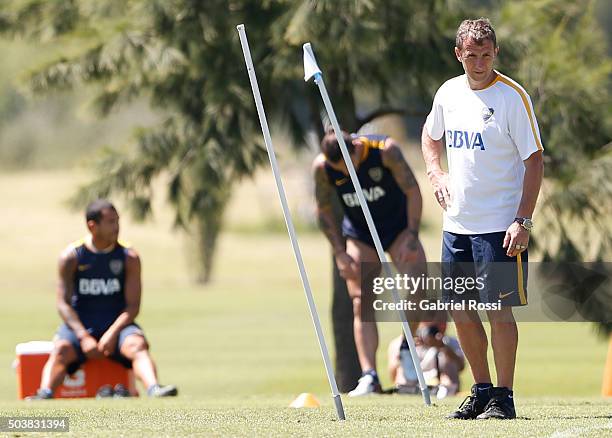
[
  {"x": 311, "y": 69},
  {"x": 288, "y": 221}
]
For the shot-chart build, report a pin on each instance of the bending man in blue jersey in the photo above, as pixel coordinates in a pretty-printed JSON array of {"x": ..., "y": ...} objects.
[
  {"x": 98, "y": 298},
  {"x": 394, "y": 199}
]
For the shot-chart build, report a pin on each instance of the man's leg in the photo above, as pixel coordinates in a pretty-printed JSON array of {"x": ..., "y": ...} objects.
[
  {"x": 504, "y": 340},
  {"x": 366, "y": 332},
  {"x": 393, "y": 361},
  {"x": 502, "y": 273},
  {"x": 449, "y": 376},
  {"x": 65, "y": 356},
  {"x": 134, "y": 347},
  {"x": 458, "y": 263},
  {"x": 474, "y": 343},
  {"x": 55, "y": 368},
  {"x": 473, "y": 340}
]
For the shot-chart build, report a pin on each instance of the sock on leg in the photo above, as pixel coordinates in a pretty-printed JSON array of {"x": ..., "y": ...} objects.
[{"x": 372, "y": 373}]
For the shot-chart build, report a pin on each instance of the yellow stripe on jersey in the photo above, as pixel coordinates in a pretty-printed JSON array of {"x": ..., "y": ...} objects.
[
  {"x": 82, "y": 241},
  {"x": 368, "y": 144},
  {"x": 366, "y": 148},
  {"x": 493, "y": 82},
  {"x": 527, "y": 107},
  {"x": 521, "y": 287}
]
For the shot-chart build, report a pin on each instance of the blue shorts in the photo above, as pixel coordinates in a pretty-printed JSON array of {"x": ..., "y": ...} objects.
[
  {"x": 387, "y": 234},
  {"x": 502, "y": 279},
  {"x": 64, "y": 332}
]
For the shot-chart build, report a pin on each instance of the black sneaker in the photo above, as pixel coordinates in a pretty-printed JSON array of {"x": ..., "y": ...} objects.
[
  {"x": 41, "y": 394},
  {"x": 162, "y": 391},
  {"x": 501, "y": 405},
  {"x": 105, "y": 391},
  {"x": 120, "y": 391},
  {"x": 473, "y": 405}
]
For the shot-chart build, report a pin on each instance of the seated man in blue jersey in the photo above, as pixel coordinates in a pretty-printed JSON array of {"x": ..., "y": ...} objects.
[
  {"x": 441, "y": 358},
  {"x": 98, "y": 298},
  {"x": 394, "y": 200}
]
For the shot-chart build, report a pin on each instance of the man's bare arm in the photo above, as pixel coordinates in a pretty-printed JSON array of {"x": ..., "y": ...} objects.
[
  {"x": 432, "y": 151},
  {"x": 394, "y": 160},
  {"x": 324, "y": 193},
  {"x": 67, "y": 268},
  {"x": 532, "y": 181}
]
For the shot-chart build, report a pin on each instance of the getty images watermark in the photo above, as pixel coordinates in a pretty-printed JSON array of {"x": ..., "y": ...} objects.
[
  {"x": 537, "y": 291},
  {"x": 413, "y": 285}
]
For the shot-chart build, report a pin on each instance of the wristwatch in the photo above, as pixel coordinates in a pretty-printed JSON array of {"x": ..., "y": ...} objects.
[{"x": 524, "y": 222}]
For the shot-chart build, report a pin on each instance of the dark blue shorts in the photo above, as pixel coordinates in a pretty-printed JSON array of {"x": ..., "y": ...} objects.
[
  {"x": 64, "y": 332},
  {"x": 387, "y": 234},
  {"x": 501, "y": 279}
]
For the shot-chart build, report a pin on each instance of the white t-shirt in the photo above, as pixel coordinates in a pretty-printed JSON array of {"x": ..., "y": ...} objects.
[{"x": 488, "y": 134}]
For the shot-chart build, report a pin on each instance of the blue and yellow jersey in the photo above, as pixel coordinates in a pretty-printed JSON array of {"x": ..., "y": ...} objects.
[
  {"x": 386, "y": 201},
  {"x": 99, "y": 281}
]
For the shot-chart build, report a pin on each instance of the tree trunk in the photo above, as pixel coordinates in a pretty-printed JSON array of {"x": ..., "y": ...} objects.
[{"x": 206, "y": 228}]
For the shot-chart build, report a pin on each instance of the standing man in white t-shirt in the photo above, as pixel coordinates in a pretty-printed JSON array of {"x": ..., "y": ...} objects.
[{"x": 495, "y": 166}]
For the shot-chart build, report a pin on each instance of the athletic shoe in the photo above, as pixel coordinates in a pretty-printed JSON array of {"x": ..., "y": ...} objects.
[
  {"x": 162, "y": 391},
  {"x": 41, "y": 394},
  {"x": 120, "y": 391},
  {"x": 105, "y": 391},
  {"x": 368, "y": 384},
  {"x": 501, "y": 405},
  {"x": 473, "y": 405},
  {"x": 442, "y": 392}
]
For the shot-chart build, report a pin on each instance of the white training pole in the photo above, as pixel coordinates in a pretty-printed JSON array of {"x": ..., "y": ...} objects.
[
  {"x": 311, "y": 69},
  {"x": 292, "y": 235}
]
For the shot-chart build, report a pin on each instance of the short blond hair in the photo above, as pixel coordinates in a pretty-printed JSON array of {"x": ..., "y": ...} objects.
[{"x": 479, "y": 30}]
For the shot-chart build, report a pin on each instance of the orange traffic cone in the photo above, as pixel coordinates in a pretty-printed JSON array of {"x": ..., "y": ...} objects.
[
  {"x": 305, "y": 400},
  {"x": 606, "y": 387}
]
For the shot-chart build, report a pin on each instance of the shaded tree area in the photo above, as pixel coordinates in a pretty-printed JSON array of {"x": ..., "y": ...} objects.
[
  {"x": 558, "y": 51},
  {"x": 184, "y": 57}
]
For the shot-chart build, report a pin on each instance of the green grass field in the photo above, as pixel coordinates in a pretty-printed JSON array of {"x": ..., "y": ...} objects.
[{"x": 243, "y": 347}]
